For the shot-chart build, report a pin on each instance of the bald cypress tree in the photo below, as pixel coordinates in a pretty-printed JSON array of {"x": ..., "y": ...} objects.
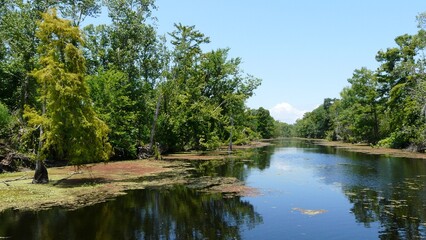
[{"x": 70, "y": 129}]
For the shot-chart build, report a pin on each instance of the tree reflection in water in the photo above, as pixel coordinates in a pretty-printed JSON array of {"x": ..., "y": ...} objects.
[
  {"x": 384, "y": 193},
  {"x": 174, "y": 213},
  {"x": 399, "y": 209}
]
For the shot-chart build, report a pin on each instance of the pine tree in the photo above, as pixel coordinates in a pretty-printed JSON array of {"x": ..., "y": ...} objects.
[{"x": 70, "y": 129}]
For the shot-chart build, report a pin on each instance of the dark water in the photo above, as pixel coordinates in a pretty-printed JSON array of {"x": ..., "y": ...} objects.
[{"x": 364, "y": 197}]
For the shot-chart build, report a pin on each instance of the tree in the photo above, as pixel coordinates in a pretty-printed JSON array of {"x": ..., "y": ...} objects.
[
  {"x": 283, "y": 129},
  {"x": 265, "y": 123},
  {"x": 69, "y": 128},
  {"x": 130, "y": 45},
  {"x": 203, "y": 97},
  {"x": 316, "y": 124},
  {"x": 110, "y": 91},
  {"x": 18, "y": 45},
  {"x": 184, "y": 110},
  {"x": 5, "y": 119},
  {"x": 78, "y": 10},
  {"x": 360, "y": 110},
  {"x": 397, "y": 76}
]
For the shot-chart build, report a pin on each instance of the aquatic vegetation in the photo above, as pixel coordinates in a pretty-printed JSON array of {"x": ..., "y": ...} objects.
[{"x": 310, "y": 212}]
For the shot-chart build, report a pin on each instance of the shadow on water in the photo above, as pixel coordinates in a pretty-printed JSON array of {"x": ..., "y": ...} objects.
[
  {"x": 260, "y": 158},
  {"x": 174, "y": 213}
]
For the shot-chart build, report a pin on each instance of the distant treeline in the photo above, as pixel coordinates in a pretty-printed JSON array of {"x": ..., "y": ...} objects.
[
  {"x": 84, "y": 94},
  {"x": 386, "y": 106}
]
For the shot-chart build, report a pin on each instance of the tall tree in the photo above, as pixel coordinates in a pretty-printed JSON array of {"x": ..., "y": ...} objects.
[
  {"x": 204, "y": 95},
  {"x": 18, "y": 46},
  {"x": 182, "y": 105},
  {"x": 396, "y": 78},
  {"x": 265, "y": 123},
  {"x": 135, "y": 50},
  {"x": 110, "y": 91},
  {"x": 78, "y": 10},
  {"x": 360, "y": 112},
  {"x": 70, "y": 129}
]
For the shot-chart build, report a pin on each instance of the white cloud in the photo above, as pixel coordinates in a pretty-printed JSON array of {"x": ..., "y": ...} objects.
[{"x": 285, "y": 112}]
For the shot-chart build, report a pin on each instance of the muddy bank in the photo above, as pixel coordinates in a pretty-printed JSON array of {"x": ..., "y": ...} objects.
[
  {"x": 364, "y": 148},
  {"x": 72, "y": 187}
]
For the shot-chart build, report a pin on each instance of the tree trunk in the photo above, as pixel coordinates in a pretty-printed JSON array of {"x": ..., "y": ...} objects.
[
  {"x": 230, "y": 138},
  {"x": 40, "y": 175},
  {"x": 154, "y": 123}
]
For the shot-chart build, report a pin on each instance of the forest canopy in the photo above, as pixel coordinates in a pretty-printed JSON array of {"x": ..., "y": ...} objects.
[
  {"x": 85, "y": 93},
  {"x": 77, "y": 92}
]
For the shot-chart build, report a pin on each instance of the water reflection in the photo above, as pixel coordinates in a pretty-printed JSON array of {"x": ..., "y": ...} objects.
[
  {"x": 400, "y": 209},
  {"x": 175, "y": 213},
  {"x": 366, "y": 197},
  {"x": 390, "y": 191},
  {"x": 260, "y": 158}
]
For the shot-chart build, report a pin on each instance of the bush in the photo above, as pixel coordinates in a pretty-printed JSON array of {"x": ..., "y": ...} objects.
[{"x": 400, "y": 139}]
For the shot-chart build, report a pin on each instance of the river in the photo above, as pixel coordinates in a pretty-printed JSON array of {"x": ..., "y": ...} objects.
[{"x": 305, "y": 192}]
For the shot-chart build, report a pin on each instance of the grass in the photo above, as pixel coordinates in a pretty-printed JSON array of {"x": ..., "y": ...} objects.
[{"x": 92, "y": 184}]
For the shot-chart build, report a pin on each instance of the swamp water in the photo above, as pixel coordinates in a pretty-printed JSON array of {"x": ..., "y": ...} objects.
[{"x": 305, "y": 192}]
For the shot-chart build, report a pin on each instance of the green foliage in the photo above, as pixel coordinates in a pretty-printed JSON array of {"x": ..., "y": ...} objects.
[
  {"x": 265, "y": 123},
  {"x": 203, "y": 97},
  {"x": 68, "y": 93},
  {"x": 110, "y": 92},
  {"x": 72, "y": 130},
  {"x": 282, "y": 129},
  {"x": 130, "y": 45},
  {"x": 359, "y": 109},
  {"x": 5, "y": 119},
  {"x": 78, "y": 10},
  {"x": 18, "y": 51},
  {"x": 315, "y": 124},
  {"x": 384, "y": 107}
]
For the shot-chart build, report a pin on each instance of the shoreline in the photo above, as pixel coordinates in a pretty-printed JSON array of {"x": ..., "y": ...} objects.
[
  {"x": 71, "y": 188},
  {"x": 367, "y": 149}
]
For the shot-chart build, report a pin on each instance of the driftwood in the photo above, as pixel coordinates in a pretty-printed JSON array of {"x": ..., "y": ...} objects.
[
  {"x": 12, "y": 180},
  {"x": 13, "y": 161}
]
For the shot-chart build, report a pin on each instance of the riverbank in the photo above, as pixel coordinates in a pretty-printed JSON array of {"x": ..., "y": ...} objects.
[
  {"x": 73, "y": 188},
  {"x": 365, "y": 148}
]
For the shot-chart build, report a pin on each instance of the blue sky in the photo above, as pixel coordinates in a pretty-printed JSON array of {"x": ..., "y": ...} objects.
[{"x": 304, "y": 51}]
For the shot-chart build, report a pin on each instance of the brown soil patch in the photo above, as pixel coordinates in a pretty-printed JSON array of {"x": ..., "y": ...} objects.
[
  {"x": 364, "y": 148},
  {"x": 192, "y": 156},
  {"x": 73, "y": 187}
]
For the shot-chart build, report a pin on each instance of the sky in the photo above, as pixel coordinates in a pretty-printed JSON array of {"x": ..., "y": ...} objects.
[{"x": 303, "y": 50}]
